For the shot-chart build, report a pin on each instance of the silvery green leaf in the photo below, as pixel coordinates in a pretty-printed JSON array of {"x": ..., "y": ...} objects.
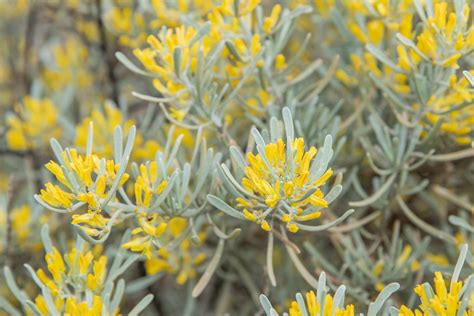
[
  {"x": 429, "y": 8},
  {"x": 257, "y": 137},
  {"x": 203, "y": 175},
  {"x": 166, "y": 191},
  {"x": 338, "y": 301},
  {"x": 301, "y": 304},
  {"x": 90, "y": 137},
  {"x": 306, "y": 195},
  {"x": 7, "y": 307},
  {"x": 33, "y": 275},
  {"x": 420, "y": 10},
  {"x": 174, "y": 150},
  {"x": 33, "y": 308},
  {"x": 459, "y": 264},
  {"x": 382, "y": 136},
  {"x": 224, "y": 207},
  {"x": 58, "y": 150},
  {"x": 227, "y": 183},
  {"x": 185, "y": 180},
  {"x": 130, "y": 65},
  {"x": 266, "y": 305},
  {"x": 376, "y": 195},
  {"x": 126, "y": 265},
  {"x": 423, "y": 184},
  {"x": 72, "y": 178},
  {"x": 321, "y": 161},
  {"x": 118, "y": 258},
  {"x": 210, "y": 269},
  {"x": 238, "y": 157},
  {"x": 142, "y": 283},
  {"x": 201, "y": 32},
  {"x": 230, "y": 180},
  {"x": 177, "y": 61},
  {"x": 328, "y": 225},
  {"x": 141, "y": 305},
  {"x": 461, "y": 222},
  {"x": 47, "y": 206},
  {"x": 465, "y": 303},
  {"x": 334, "y": 193},
  {"x": 78, "y": 229},
  {"x": 118, "y": 143},
  {"x": 150, "y": 98},
  {"x": 47, "y": 244},
  {"x": 118, "y": 294},
  {"x": 321, "y": 291},
  {"x": 197, "y": 146},
  {"x": 376, "y": 306},
  {"x": 222, "y": 235},
  {"x": 274, "y": 130},
  {"x": 230, "y": 46},
  {"x": 289, "y": 128},
  {"x": 49, "y": 301},
  {"x": 469, "y": 77},
  {"x": 390, "y": 94},
  {"x": 123, "y": 165},
  {"x": 403, "y": 137},
  {"x": 263, "y": 156}
]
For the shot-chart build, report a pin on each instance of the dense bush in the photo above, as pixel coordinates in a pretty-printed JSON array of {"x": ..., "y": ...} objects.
[{"x": 201, "y": 157}]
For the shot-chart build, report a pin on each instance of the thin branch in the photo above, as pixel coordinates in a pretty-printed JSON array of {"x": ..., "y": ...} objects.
[{"x": 422, "y": 224}]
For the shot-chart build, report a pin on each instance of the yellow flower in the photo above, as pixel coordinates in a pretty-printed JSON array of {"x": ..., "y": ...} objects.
[
  {"x": 283, "y": 183},
  {"x": 78, "y": 267},
  {"x": 90, "y": 186},
  {"x": 21, "y": 218},
  {"x": 169, "y": 12},
  {"x": 151, "y": 227},
  {"x": 148, "y": 184},
  {"x": 315, "y": 309},
  {"x": 270, "y": 22},
  {"x": 70, "y": 66},
  {"x": 458, "y": 123},
  {"x": 441, "y": 301},
  {"x": 183, "y": 260},
  {"x": 104, "y": 124},
  {"x": 35, "y": 122}
]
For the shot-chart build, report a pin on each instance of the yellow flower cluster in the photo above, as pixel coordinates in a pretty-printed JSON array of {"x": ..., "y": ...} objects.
[
  {"x": 169, "y": 13},
  {"x": 72, "y": 306},
  {"x": 459, "y": 123},
  {"x": 441, "y": 301},
  {"x": 21, "y": 218},
  {"x": 148, "y": 185},
  {"x": 174, "y": 54},
  {"x": 33, "y": 124},
  {"x": 79, "y": 268},
  {"x": 104, "y": 124},
  {"x": 441, "y": 31},
  {"x": 313, "y": 308},
  {"x": 171, "y": 80},
  {"x": 146, "y": 236},
  {"x": 83, "y": 181},
  {"x": 70, "y": 58},
  {"x": 164, "y": 247},
  {"x": 278, "y": 181},
  {"x": 131, "y": 26},
  {"x": 23, "y": 228},
  {"x": 440, "y": 40}
]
